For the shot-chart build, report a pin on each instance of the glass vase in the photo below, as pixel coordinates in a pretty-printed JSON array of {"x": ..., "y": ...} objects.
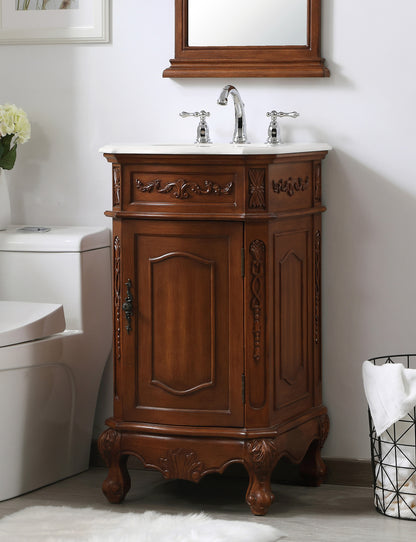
[{"x": 5, "y": 212}]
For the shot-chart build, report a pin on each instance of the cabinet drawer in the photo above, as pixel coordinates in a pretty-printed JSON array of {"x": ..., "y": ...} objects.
[{"x": 183, "y": 190}]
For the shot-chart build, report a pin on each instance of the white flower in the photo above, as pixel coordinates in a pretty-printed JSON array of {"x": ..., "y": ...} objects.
[
  {"x": 14, "y": 129},
  {"x": 14, "y": 121}
]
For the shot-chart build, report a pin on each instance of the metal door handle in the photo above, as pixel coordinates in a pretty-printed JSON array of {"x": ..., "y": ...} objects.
[{"x": 128, "y": 306}]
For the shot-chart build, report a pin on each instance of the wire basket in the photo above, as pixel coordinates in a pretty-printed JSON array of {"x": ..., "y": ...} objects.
[{"x": 393, "y": 457}]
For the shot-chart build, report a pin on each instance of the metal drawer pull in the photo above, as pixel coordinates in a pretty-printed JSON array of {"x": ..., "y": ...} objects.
[{"x": 128, "y": 306}]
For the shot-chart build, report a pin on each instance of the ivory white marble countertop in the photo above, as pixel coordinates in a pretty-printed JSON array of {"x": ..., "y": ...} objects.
[{"x": 209, "y": 148}]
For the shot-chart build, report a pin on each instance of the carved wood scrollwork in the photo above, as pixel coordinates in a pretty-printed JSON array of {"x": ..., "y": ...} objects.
[
  {"x": 182, "y": 189},
  {"x": 183, "y": 464},
  {"x": 117, "y": 305},
  {"x": 317, "y": 181},
  {"x": 257, "y": 190},
  {"x": 257, "y": 253},
  {"x": 107, "y": 442},
  {"x": 317, "y": 310},
  {"x": 290, "y": 186},
  {"x": 116, "y": 185},
  {"x": 262, "y": 453}
]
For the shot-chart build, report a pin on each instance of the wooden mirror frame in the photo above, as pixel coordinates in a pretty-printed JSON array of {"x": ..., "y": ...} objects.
[{"x": 258, "y": 61}]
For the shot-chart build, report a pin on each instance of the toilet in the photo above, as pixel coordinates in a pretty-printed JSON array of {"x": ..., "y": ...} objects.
[{"x": 55, "y": 340}]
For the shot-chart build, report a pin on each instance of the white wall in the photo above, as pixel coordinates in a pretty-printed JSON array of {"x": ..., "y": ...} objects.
[{"x": 80, "y": 97}]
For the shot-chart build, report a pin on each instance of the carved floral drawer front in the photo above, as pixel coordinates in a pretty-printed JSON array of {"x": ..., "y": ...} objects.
[
  {"x": 184, "y": 192},
  {"x": 291, "y": 186}
]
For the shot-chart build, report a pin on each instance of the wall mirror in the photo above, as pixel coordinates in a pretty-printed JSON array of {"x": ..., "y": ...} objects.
[{"x": 242, "y": 38}]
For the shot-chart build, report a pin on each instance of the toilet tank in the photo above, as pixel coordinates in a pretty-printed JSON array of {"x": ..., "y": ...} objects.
[{"x": 61, "y": 264}]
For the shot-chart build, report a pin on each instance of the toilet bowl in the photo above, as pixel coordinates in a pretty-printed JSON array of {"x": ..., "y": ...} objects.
[{"x": 55, "y": 339}]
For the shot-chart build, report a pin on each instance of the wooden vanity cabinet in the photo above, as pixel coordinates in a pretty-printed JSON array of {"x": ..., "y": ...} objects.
[{"x": 216, "y": 286}]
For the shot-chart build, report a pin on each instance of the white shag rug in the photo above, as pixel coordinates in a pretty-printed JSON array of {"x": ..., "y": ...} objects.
[{"x": 65, "y": 524}]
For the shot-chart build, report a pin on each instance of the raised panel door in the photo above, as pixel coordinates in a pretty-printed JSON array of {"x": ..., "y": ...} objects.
[
  {"x": 185, "y": 351},
  {"x": 293, "y": 297}
]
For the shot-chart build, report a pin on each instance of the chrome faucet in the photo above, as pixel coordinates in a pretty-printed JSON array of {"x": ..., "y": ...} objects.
[
  {"x": 239, "y": 135},
  {"x": 202, "y": 132}
]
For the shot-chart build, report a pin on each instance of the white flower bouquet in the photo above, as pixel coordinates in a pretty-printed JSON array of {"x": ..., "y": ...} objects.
[{"x": 14, "y": 129}]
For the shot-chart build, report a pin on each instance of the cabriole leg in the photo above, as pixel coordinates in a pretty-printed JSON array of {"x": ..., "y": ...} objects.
[
  {"x": 260, "y": 459},
  {"x": 117, "y": 483},
  {"x": 312, "y": 467}
]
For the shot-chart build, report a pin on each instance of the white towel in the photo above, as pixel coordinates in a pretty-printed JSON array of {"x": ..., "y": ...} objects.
[
  {"x": 394, "y": 467},
  {"x": 390, "y": 390},
  {"x": 402, "y": 505},
  {"x": 395, "y": 472}
]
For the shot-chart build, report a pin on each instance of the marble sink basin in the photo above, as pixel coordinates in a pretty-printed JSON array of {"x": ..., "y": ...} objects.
[{"x": 208, "y": 148}]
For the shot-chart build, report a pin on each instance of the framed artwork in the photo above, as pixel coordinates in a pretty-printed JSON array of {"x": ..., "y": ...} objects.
[{"x": 54, "y": 21}]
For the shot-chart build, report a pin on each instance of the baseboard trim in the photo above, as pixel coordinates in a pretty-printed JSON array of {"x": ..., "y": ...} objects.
[
  {"x": 349, "y": 472},
  {"x": 345, "y": 472}
]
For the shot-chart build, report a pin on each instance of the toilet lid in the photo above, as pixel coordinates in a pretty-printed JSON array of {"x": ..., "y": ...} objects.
[{"x": 22, "y": 321}]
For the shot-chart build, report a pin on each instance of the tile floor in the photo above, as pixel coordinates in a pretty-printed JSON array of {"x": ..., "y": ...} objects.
[{"x": 329, "y": 513}]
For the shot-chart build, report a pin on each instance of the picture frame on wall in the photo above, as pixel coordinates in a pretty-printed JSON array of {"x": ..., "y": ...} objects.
[{"x": 54, "y": 21}]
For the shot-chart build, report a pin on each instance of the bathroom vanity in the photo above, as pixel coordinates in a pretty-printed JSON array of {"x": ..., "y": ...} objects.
[{"x": 217, "y": 295}]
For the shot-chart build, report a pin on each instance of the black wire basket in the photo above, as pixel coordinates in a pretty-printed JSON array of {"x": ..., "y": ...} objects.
[{"x": 393, "y": 457}]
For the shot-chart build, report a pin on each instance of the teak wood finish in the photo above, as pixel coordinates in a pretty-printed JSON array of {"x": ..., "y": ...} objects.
[
  {"x": 250, "y": 61},
  {"x": 217, "y": 338}
]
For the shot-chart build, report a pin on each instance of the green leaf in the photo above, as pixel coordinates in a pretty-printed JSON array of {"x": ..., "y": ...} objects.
[
  {"x": 8, "y": 158},
  {"x": 6, "y": 140}
]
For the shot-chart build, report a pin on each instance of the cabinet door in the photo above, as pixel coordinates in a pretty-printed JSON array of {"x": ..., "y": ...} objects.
[{"x": 183, "y": 359}]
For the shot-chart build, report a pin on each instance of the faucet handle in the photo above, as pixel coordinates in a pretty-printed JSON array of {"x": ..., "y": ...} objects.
[
  {"x": 201, "y": 113},
  {"x": 273, "y": 133},
  {"x": 202, "y": 131},
  {"x": 274, "y": 114}
]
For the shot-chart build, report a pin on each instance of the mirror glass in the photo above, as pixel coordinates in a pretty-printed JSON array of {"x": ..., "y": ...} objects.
[{"x": 222, "y": 23}]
